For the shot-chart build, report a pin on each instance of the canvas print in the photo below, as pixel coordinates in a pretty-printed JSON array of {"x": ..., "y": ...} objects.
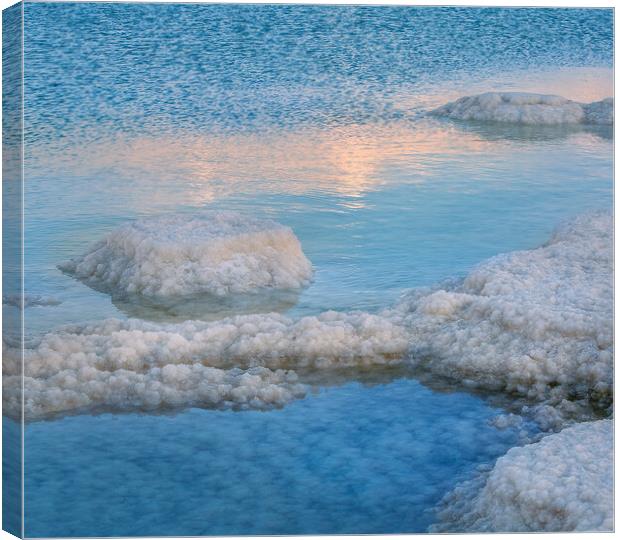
[{"x": 306, "y": 269}]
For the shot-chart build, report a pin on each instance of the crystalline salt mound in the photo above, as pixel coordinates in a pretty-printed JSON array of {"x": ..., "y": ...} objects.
[
  {"x": 562, "y": 483},
  {"x": 219, "y": 253}
]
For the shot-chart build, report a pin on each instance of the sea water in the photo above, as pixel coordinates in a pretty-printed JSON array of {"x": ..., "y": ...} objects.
[{"x": 313, "y": 117}]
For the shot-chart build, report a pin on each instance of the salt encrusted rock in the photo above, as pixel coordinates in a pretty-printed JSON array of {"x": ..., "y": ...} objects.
[
  {"x": 219, "y": 253},
  {"x": 525, "y": 108}
]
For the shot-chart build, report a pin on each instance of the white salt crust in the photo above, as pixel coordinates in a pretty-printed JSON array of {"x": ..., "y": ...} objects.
[
  {"x": 129, "y": 364},
  {"x": 564, "y": 482},
  {"x": 525, "y": 108},
  {"x": 535, "y": 324},
  {"x": 219, "y": 253}
]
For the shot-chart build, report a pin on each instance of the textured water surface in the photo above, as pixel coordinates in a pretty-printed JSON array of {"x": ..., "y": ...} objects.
[{"x": 351, "y": 459}]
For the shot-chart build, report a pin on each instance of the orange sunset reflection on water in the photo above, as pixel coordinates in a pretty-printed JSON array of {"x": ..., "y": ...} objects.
[
  {"x": 347, "y": 160},
  {"x": 344, "y": 160}
]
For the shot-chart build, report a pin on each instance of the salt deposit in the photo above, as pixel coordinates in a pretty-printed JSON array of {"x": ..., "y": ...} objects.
[
  {"x": 562, "y": 483},
  {"x": 88, "y": 388},
  {"x": 525, "y": 108},
  {"x": 218, "y": 253},
  {"x": 535, "y": 323},
  {"x": 125, "y": 364}
]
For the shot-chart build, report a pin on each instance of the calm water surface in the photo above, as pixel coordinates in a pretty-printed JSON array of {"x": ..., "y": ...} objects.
[{"x": 312, "y": 116}]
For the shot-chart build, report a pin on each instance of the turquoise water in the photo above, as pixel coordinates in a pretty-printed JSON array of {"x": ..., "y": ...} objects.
[{"x": 311, "y": 116}]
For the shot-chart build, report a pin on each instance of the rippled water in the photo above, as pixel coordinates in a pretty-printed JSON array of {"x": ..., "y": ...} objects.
[
  {"x": 311, "y": 116},
  {"x": 154, "y": 67}
]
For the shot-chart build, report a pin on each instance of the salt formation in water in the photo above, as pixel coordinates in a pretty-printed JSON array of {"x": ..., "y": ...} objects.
[
  {"x": 535, "y": 323},
  {"x": 128, "y": 364},
  {"x": 562, "y": 483},
  {"x": 219, "y": 253},
  {"x": 525, "y": 108}
]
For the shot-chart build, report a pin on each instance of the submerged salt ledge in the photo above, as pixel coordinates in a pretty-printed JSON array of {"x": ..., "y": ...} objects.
[
  {"x": 525, "y": 108},
  {"x": 219, "y": 253},
  {"x": 562, "y": 483},
  {"x": 533, "y": 323}
]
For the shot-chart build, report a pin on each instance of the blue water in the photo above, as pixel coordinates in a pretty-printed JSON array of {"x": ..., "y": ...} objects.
[
  {"x": 311, "y": 116},
  {"x": 154, "y": 67},
  {"x": 347, "y": 460}
]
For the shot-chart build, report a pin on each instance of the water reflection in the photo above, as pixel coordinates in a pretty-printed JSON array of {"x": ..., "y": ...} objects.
[
  {"x": 497, "y": 131},
  {"x": 346, "y": 161},
  {"x": 204, "y": 307},
  {"x": 343, "y": 160},
  {"x": 376, "y": 208}
]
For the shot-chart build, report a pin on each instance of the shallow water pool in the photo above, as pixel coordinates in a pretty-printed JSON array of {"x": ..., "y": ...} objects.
[{"x": 357, "y": 458}]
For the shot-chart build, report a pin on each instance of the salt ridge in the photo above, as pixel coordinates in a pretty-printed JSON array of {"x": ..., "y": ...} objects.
[
  {"x": 536, "y": 323},
  {"x": 133, "y": 364},
  {"x": 29, "y": 300}
]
